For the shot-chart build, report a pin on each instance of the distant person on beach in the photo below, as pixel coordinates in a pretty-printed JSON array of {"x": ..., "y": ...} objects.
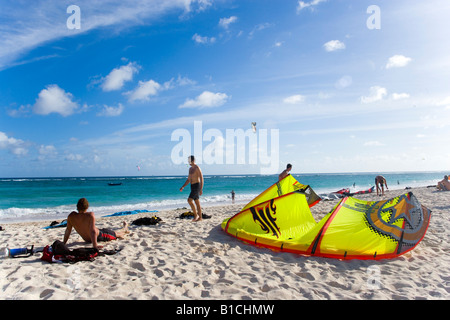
[
  {"x": 444, "y": 185},
  {"x": 195, "y": 178},
  {"x": 380, "y": 182},
  {"x": 285, "y": 172},
  {"x": 232, "y": 195},
  {"x": 84, "y": 224}
]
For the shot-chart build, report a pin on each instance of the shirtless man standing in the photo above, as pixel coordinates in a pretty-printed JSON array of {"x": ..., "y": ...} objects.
[
  {"x": 285, "y": 173},
  {"x": 84, "y": 224},
  {"x": 379, "y": 182},
  {"x": 195, "y": 178}
]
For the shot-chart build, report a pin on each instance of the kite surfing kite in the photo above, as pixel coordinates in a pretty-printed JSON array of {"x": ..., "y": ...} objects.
[{"x": 280, "y": 219}]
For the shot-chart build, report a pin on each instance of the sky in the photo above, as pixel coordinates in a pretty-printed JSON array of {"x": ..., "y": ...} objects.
[{"x": 131, "y": 88}]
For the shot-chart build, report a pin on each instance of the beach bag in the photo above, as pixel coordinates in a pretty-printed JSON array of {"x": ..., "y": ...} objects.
[
  {"x": 59, "y": 252},
  {"x": 146, "y": 221},
  {"x": 190, "y": 214},
  {"x": 47, "y": 254}
]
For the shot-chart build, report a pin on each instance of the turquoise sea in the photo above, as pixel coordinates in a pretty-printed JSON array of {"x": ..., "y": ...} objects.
[{"x": 31, "y": 199}]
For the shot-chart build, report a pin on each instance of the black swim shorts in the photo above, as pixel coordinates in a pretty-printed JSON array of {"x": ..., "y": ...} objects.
[
  {"x": 195, "y": 191},
  {"x": 106, "y": 235}
]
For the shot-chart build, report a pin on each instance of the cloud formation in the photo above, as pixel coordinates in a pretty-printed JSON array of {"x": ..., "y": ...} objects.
[
  {"x": 295, "y": 99},
  {"x": 225, "y": 22},
  {"x": 116, "y": 79},
  {"x": 53, "y": 99},
  {"x": 15, "y": 146},
  {"x": 377, "y": 93},
  {"x": 398, "y": 61},
  {"x": 206, "y": 100},
  {"x": 334, "y": 45},
  {"x": 202, "y": 39},
  {"x": 400, "y": 96},
  {"x": 144, "y": 91},
  {"x": 109, "y": 111},
  {"x": 302, "y": 5},
  {"x": 31, "y": 26},
  {"x": 344, "y": 82}
]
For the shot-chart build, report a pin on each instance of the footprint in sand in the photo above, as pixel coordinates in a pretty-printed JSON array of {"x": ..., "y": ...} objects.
[
  {"x": 139, "y": 266},
  {"x": 306, "y": 275}
]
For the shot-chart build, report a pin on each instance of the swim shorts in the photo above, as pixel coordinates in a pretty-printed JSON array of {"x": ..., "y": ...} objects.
[
  {"x": 195, "y": 191},
  {"x": 106, "y": 235}
]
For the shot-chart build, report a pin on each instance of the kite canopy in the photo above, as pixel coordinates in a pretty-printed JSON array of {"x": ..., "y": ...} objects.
[
  {"x": 354, "y": 229},
  {"x": 283, "y": 187}
]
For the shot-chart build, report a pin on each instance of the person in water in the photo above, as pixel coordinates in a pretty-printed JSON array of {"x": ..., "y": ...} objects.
[
  {"x": 195, "y": 178},
  {"x": 380, "y": 182},
  {"x": 84, "y": 224}
]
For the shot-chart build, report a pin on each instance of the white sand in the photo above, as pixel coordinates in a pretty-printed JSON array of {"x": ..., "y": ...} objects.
[{"x": 178, "y": 259}]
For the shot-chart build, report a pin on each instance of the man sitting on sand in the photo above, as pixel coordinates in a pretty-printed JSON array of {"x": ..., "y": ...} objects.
[
  {"x": 444, "y": 185},
  {"x": 84, "y": 224},
  {"x": 195, "y": 178},
  {"x": 379, "y": 181}
]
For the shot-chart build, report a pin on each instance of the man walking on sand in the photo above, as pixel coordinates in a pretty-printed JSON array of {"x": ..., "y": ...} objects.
[
  {"x": 195, "y": 178},
  {"x": 84, "y": 224}
]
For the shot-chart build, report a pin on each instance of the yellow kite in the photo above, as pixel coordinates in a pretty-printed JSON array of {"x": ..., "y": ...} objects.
[{"x": 280, "y": 219}]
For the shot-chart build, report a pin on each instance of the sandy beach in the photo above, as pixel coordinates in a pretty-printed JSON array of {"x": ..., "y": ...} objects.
[{"x": 178, "y": 259}]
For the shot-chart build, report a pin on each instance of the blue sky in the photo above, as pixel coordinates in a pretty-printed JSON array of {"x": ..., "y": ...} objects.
[{"x": 107, "y": 97}]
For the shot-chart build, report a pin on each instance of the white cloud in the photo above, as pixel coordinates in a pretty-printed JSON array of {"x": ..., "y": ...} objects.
[
  {"x": 259, "y": 27},
  {"x": 400, "y": 96},
  {"x": 118, "y": 76},
  {"x": 445, "y": 102},
  {"x": 344, "y": 82},
  {"x": 108, "y": 111},
  {"x": 334, "y": 45},
  {"x": 295, "y": 99},
  {"x": 147, "y": 89},
  {"x": 206, "y": 100},
  {"x": 74, "y": 157},
  {"x": 144, "y": 91},
  {"x": 398, "y": 61},
  {"x": 15, "y": 146},
  {"x": 183, "y": 81},
  {"x": 278, "y": 44},
  {"x": 194, "y": 5},
  {"x": 376, "y": 94},
  {"x": 203, "y": 40},
  {"x": 47, "y": 150},
  {"x": 53, "y": 99},
  {"x": 373, "y": 144},
  {"x": 302, "y": 5},
  {"x": 225, "y": 22},
  {"x": 23, "y": 110},
  {"x": 180, "y": 81}
]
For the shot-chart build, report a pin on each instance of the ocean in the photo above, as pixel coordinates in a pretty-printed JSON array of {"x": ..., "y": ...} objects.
[{"x": 35, "y": 199}]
